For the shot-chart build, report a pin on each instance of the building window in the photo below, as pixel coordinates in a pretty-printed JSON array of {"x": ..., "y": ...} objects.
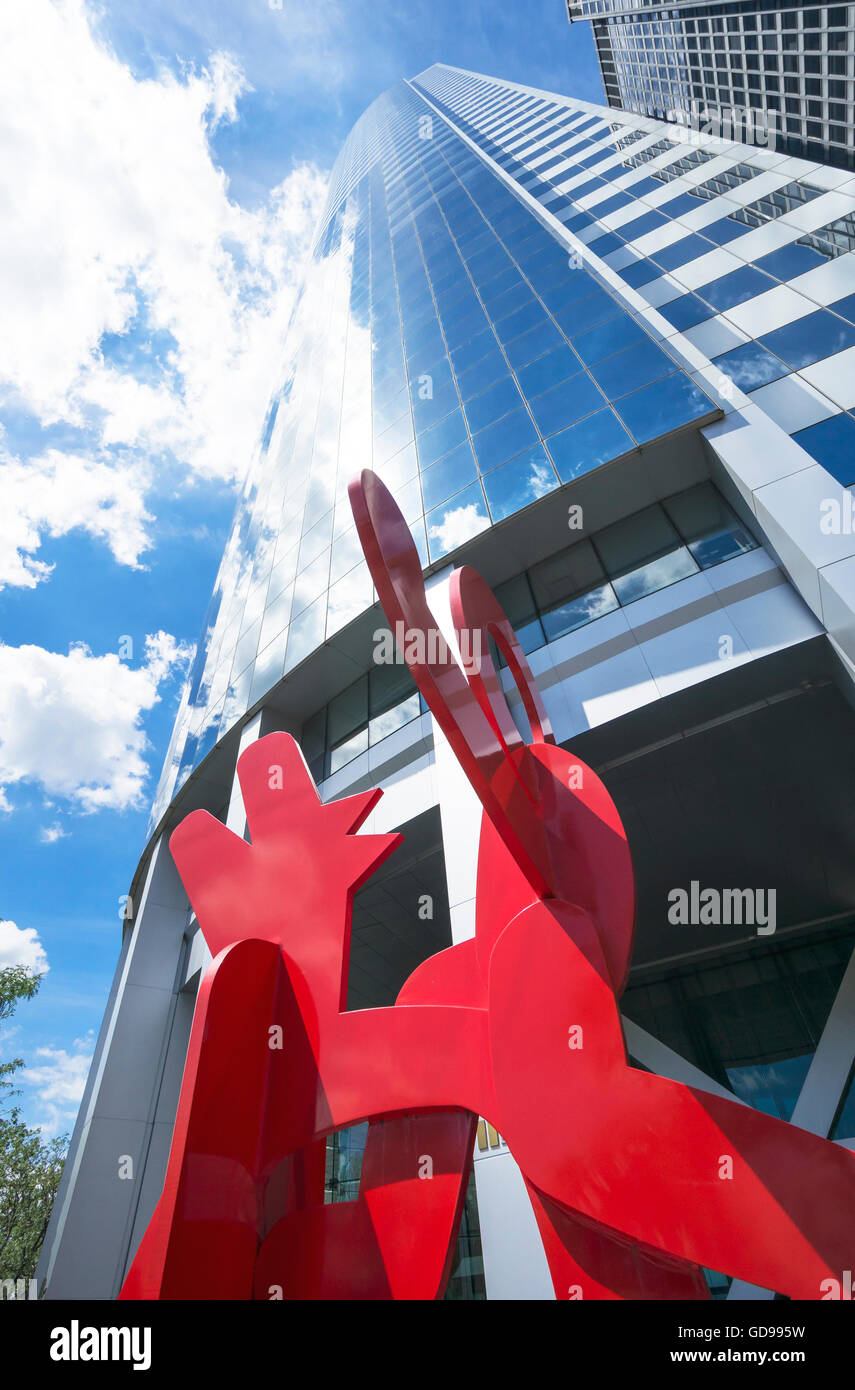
[
  {"x": 344, "y": 1155},
  {"x": 466, "y": 1282},
  {"x": 690, "y": 531},
  {"x": 343, "y": 1173},
  {"x": 752, "y": 1019},
  {"x": 844, "y": 1122},
  {"x": 381, "y": 701}
]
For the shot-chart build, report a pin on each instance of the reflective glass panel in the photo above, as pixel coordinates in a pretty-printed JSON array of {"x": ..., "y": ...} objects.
[
  {"x": 547, "y": 371},
  {"x": 441, "y": 438},
  {"x": 348, "y": 712},
  {"x": 832, "y": 443},
  {"x": 503, "y": 440},
  {"x": 595, "y": 440},
  {"x": 633, "y": 367},
  {"x": 707, "y": 524},
  {"x": 810, "y": 338},
  {"x": 566, "y": 403},
  {"x": 609, "y": 337},
  {"x": 735, "y": 288},
  {"x": 533, "y": 344},
  {"x": 569, "y": 573},
  {"x": 667, "y": 405},
  {"x": 460, "y": 519},
  {"x": 496, "y": 402},
  {"x": 750, "y": 366},
  {"x": 579, "y": 611},
  {"x": 448, "y": 476},
  {"x": 519, "y": 483}
]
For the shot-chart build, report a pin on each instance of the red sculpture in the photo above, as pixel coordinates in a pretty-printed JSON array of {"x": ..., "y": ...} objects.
[{"x": 636, "y": 1181}]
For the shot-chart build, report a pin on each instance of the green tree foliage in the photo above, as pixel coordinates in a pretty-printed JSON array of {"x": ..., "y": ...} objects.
[{"x": 30, "y": 1169}]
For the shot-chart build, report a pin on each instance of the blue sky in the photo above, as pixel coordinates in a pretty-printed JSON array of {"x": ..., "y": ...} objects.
[
  {"x": 163, "y": 166},
  {"x": 315, "y": 67}
]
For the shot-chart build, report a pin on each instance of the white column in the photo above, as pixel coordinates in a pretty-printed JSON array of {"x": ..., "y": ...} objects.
[
  {"x": 830, "y": 1068},
  {"x": 823, "y": 1086},
  {"x": 86, "y": 1248}
]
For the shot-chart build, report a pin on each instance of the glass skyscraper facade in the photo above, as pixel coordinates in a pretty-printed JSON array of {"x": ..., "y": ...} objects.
[
  {"x": 443, "y": 337},
  {"x": 787, "y": 67},
  {"x": 609, "y": 362}
]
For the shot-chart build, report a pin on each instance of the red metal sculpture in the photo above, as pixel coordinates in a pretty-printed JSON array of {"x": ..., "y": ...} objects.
[{"x": 636, "y": 1181}]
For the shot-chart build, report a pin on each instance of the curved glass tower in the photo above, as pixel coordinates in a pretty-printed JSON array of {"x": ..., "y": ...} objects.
[
  {"x": 432, "y": 341},
  {"x": 609, "y": 369}
]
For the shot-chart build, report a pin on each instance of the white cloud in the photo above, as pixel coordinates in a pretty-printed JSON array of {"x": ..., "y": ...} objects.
[
  {"x": 49, "y": 834},
  {"x": 118, "y": 222},
  {"x": 58, "y": 493},
  {"x": 72, "y": 723},
  {"x": 163, "y": 653},
  {"x": 459, "y": 525},
  {"x": 59, "y": 1084},
  {"x": 541, "y": 478},
  {"x": 21, "y": 946}
]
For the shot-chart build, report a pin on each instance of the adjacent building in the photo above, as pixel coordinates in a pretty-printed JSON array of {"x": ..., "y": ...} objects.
[
  {"x": 780, "y": 67},
  {"x": 610, "y": 362}
]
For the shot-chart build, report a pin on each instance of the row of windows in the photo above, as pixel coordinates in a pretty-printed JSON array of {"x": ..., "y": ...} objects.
[
  {"x": 803, "y": 128},
  {"x": 752, "y": 1021},
  {"x": 734, "y": 17},
  {"x": 669, "y": 541},
  {"x": 746, "y": 71},
  {"x": 654, "y": 76},
  {"x": 664, "y": 543},
  {"x": 531, "y": 177},
  {"x": 723, "y": 90},
  {"x": 746, "y": 283},
  {"x": 805, "y": 253},
  {"x": 788, "y": 42},
  {"x": 796, "y": 345},
  {"x": 827, "y": 440},
  {"x": 826, "y": 243},
  {"x": 710, "y": 189},
  {"x": 734, "y": 71}
]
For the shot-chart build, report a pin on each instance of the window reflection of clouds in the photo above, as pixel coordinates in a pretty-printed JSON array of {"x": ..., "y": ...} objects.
[
  {"x": 657, "y": 574},
  {"x": 392, "y": 362},
  {"x": 458, "y": 524}
]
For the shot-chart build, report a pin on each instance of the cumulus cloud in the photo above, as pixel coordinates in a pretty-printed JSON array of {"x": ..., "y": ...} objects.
[
  {"x": 58, "y": 1084},
  {"x": 61, "y": 492},
  {"x": 541, "y": 478},
  {"x": 459, "y": 525},
  {"x": 21, "y": 946},
  {"x": 49, "y": 834},
  {"x": 72, "y": 723},
  {"x": 142, "y": 306}
]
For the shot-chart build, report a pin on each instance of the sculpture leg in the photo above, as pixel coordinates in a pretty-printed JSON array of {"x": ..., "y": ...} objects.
[
  {"x": 697, "y": 1176},
  {"x": 589, "y": 1261}
]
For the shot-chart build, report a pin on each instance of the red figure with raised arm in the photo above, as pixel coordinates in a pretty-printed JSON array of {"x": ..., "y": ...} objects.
[{"x": 636, "y": 1181}]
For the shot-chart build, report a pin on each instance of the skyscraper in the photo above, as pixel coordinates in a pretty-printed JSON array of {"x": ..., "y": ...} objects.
[
  {"x": 608, "y": 362},
  {"x": 782, "y": 66}
]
